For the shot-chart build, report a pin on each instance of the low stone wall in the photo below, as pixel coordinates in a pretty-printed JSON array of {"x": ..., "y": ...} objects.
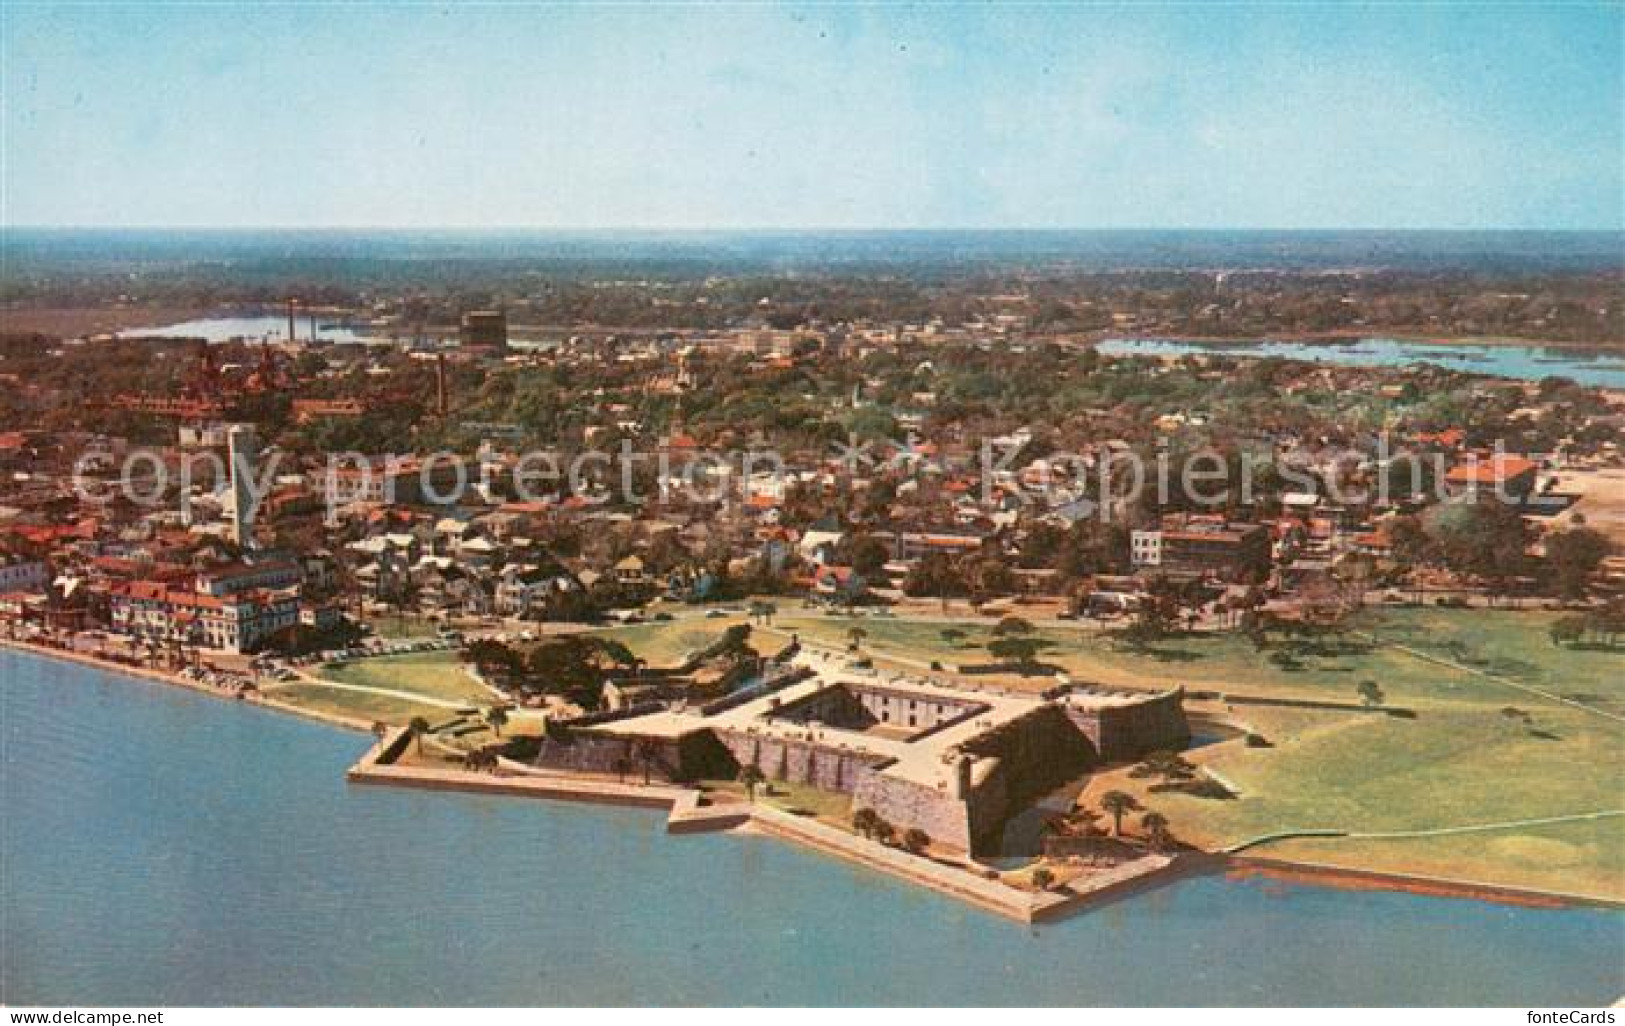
[
  {"x": 1095, "y": 849},
  {"x": 775, "y": 680},
  {"x": 695, "y": 756},
  {"x": 1324, "y": 704}
]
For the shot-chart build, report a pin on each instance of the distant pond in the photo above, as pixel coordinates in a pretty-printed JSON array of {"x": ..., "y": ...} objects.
[{"x": 1588, "y": 366}]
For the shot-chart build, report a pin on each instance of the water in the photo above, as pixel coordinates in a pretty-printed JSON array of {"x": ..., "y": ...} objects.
[
  {"x": 1605, "y": 368},
  {"x": 249, "y": 329},
  {"x": 165, "y": 847}
]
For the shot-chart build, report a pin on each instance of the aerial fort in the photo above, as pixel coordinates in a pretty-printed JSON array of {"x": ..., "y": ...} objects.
[{"x": 953, "y": 761}]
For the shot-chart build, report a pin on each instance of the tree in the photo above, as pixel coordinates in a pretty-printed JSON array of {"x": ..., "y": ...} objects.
[
  {"x": 1020, "y": 650},
  {"x": 752, "y": 777},
  {"x": 864, "y": 821},
  {"x": 1118, "y": 804},
  {"x": 868, "y": 557},
  {"x": 763, "y": 611},
  {"x": 1155, "y": 825},
  {"x": 1012, "y": 626},
  {"x": 646, "y": 754},
  {"x": 1043, "y": 878},
  {"x": 1608, "y": 622},
  {"x": 855, "y": 635},
  {"x": 1485, "y": 539},
  {"x": 953, "y": 636},
  {"x": 1572, "y": 556},
  {"x": 497, "y": 717},
  {"x": 379, "y": 730},
  {"x": 1408, "y": 542},
  {"x": 1567, "y": 630},
  {"x": 419, "y": 727},
  {"x": 916, "y": 840},
  {"x": 934, "y": 575},
  {"x": 1370, "y": 693},
  {"x": 884, "y": 832}
]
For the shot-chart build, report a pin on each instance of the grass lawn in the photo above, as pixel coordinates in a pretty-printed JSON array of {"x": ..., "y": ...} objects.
[
  {"x": 357, "y": 705},
  {"x": 1514, "y": 645},
  {"x": 831, "y": 807},
  {"x": 1511, "y": 643},
  {"x": 1461, "y": 761},
  {"x": 669, "y": 642},
  {"x": 435, "y": 674},
  {"x": 1586, "y": 858}
]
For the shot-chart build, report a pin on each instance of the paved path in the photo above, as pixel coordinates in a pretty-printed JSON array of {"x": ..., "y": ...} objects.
[
  {"x": 1474, "y": 828},
  {"x": 312, "y": 680},
  {"x": 1504, "y": 681},
  {"x": 408, "y": 696}
]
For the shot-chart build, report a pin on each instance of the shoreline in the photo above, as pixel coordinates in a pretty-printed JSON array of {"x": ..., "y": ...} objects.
[
  {"x": 149, "y": 675},
  {"x": 1321, "y": 874},
  {"x": 1344, "y": 337},
  {"x": 685, "y": 815}
]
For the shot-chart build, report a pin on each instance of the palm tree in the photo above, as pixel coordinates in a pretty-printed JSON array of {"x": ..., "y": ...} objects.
[
  {"x": 763, "y": 612},
  {"x": 496, "y": 716},
  {"x": 1117, "y": 803},
  {"x": 419, "y": 727},
  {"x": 916, "y": 840},
  {"x": 1043, "y": 879},
  {"x": 645, "y": 752},
  {"x": 864, "y": 821},
  {"x": 856, "y": 635},
  {"x": 379, "y": 730},
  {"x": 1370, "y": 693},
  {"x": 1155, "y": 825},
  {"x": 752, "y": 777}
]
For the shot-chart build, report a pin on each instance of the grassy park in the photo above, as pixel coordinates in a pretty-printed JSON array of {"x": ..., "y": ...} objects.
[
  {"x": 383, "y": 688},
  {"x": 436, "y": 675},
  {"x": 669, "y": 642},
  {"x": 1480, "y": 748},
  {"x": 355, "y": 705},
  {"x": 1505, "y": 727}
]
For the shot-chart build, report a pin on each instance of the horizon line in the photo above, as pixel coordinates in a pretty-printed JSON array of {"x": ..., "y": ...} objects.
[{"x": 769, "y": 229}]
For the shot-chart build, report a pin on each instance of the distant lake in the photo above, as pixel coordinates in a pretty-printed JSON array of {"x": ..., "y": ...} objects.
[
  {"x": 1601, "y": 367},
  {"x": 265, "y": 328},
  {"x": 164, "y": 847}
]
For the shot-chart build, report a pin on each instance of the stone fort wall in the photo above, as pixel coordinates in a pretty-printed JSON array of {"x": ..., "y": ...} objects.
[
  {"x": 798, "y": 760},
  {"x": 1124, "y": 732}
]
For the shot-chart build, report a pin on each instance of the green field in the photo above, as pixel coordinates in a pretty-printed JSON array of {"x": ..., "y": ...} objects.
[
  {"x": 355, "y": 705},
  {"x": 669, "y": 642},
  {"x": 1312, "y": 668},
  {"x": 438, "y": 675},
  {"x": 1462, "y": 760}
]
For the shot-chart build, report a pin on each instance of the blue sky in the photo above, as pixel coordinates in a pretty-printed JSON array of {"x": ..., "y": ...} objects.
[{"x": 755, "y": 116}]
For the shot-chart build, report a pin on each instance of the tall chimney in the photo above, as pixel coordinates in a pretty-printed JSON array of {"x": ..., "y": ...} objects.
[
  {"x": 440, "y": 383},
  {"x": 293, "y": 335}
]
